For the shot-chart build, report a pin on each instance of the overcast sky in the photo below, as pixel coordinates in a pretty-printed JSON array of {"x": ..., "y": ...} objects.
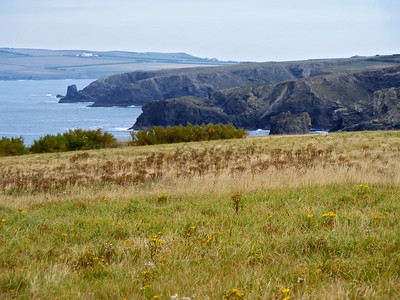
[{"x": 245, "y": 30}]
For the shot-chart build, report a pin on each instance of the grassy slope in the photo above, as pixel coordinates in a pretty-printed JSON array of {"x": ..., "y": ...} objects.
[{"x": 69, "y": 242}]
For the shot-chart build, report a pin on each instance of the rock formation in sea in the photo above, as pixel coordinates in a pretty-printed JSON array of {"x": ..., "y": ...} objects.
[{"x": 286, "y": 123}]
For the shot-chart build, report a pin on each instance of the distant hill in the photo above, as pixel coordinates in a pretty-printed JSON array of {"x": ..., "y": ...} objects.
[{"x": 17, "y": 63}]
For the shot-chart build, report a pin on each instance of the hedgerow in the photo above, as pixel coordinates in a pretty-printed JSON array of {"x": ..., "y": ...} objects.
[
  {"x": 77, "y": 139},
  {"x": 189, "y": 133}
]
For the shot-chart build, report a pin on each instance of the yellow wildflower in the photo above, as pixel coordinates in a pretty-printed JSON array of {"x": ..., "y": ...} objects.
[
  {"x": 237, "y": 293},
  {"x": 207, "y": 240},
  {"x": 106, "y": 200},
  {"x": 156, "y": 297},
  {"x": 95, "y": 258},
  {"x": 127, "y": 241},
  {"x": 329, "y": 214},
  {"x": 161, "y": 198},
  {"x": 284, "y": 291},
  {"x": 286, "y": 298},
  {"x": 3, "y": 220},
  {"x": 310, "y": 216}
]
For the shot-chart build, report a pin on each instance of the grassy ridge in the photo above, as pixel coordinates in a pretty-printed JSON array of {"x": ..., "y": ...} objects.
[{"x": 311, "y": 216}]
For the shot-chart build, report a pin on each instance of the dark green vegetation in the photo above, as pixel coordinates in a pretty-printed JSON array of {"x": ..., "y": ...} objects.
[
  {"x": 80, "y": 139},
  {"x": 189, "y": 133},
  {"x": 13, "y": 146},
  {"x": 35, "y": 64},
  {"x": 72, "y": 140}
]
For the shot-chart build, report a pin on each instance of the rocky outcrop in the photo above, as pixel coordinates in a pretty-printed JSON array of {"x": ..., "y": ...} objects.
[
  {"x": 179, "y": 111},
  {"x": 383, "y": 113},
  {"x": 72, "y": 91},
  {"x": 74, "y": 96},
  {"x": 286, "y": 123},
  {"x": 333, "y": 102}
]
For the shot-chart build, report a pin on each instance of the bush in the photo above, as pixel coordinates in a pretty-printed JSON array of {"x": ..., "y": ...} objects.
[
  {"x": 49, "y": 143},
  {"x": 13, "y": 146},
  {"x": 78, "y": 139},
  {"x": 178, "y": 134}
]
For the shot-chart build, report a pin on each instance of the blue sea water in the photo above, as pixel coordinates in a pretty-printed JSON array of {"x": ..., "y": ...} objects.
[{"x": 30, "y": 109}]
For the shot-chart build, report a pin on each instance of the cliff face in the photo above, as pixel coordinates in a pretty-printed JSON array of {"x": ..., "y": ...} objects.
[
  {"x": 335, "y": 102},
  {"x": 139, "y": 88},
  {"x": 383, "y": 113},
  {"x": 142, "y": 87}
]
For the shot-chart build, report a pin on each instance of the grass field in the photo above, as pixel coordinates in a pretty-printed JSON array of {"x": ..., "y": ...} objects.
[{"x": 305, "y": 217}]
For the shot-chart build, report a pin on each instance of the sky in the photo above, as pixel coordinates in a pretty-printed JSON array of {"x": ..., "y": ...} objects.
[{"x": 239, "y": 30}]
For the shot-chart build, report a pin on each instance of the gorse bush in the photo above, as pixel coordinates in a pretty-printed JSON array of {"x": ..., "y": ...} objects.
[
  {"x": 13, "y": 146},
  {"x": 189, "y": 133},
  {"x": 49, "y": 143},
  {"x": 78, "y": 139}
]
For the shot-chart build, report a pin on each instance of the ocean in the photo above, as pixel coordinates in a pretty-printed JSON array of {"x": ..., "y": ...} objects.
[{"x": 30, "y": 109}]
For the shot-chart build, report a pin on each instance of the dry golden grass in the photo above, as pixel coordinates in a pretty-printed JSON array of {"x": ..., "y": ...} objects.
[
  {"x": 76, "y": 244},
  {"x": 221, "y": 167}
]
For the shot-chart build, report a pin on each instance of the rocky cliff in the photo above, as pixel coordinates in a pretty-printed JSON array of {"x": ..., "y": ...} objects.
[
  {"x": 352, "y": 101},
  {"x": 139, "y": 88}
]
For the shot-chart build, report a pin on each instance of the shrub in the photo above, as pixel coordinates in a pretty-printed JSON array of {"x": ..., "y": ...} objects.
[
  {"x": 49, "y": 143},
  {"x": 178, "y": 134},
  {"x": 13, "y": 146},
  {"x": 77, "y": 139}
]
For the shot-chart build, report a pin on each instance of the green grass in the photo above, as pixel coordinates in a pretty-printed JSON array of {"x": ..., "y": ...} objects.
[{"x": 182, "y": 235}]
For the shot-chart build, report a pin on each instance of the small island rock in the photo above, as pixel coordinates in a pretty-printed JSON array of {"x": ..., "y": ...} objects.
[{"x": 286, "y": 123}]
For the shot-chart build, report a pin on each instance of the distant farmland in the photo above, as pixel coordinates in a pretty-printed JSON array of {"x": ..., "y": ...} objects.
[{"x": 35, "y": 64}]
